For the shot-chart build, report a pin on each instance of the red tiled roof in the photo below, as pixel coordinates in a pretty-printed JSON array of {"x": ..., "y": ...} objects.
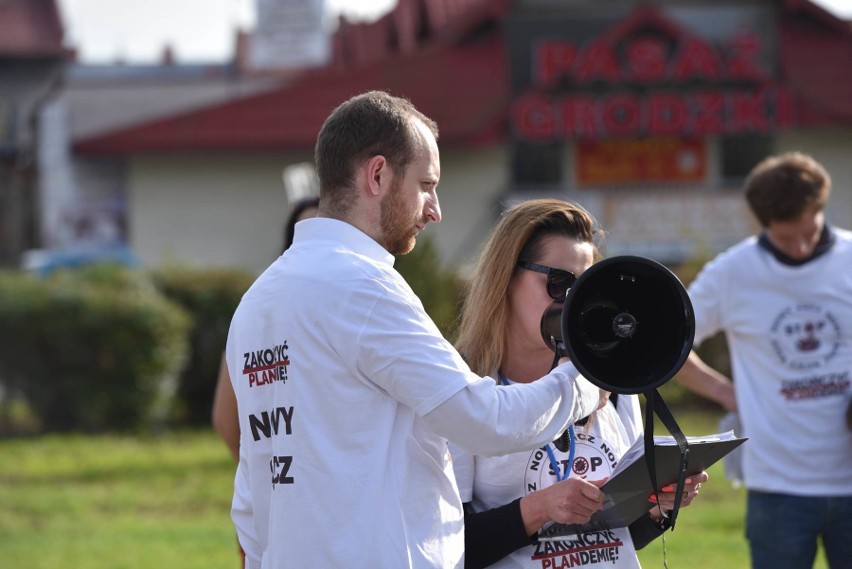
[
  {"x": 472, "y": 111},
  {"x": 461, "y": 82},
  {"x": 30, "y": 28},
  {"x": 457, "y": 77}
]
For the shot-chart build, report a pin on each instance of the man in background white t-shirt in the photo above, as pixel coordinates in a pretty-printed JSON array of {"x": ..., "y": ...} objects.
[{"x": 784, "y": 301}]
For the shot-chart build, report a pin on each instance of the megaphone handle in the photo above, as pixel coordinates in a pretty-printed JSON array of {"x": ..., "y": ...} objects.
[{"x": 655, "y": 404}]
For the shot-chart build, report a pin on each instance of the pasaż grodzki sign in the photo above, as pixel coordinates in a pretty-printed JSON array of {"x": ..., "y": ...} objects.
[
  {"x": 538, "y": 117},
  {"x": 648, "y": 76}
]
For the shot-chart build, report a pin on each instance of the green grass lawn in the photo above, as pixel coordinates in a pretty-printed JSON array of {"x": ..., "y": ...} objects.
[
  {"x": 120, "y": 502},
  {"x": 116, "y": 502}
]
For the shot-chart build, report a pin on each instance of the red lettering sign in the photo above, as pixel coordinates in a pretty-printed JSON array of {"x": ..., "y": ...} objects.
[
  {"x": 554, "y": 58},
  {"x": 646, "y": 59},
  {"x": 750, "y": 111},
  {"x": 532, "y": 117},
  {"x": 742, "y": 58},
  {"x": 536, "y": 117},
  {"x": 580, "y": 117},
  {"x": 666, "y": 113},
  {"x": 708, "y": 113},
  {"x": 660, "y": 53},
  {"x": 621, "y": 115},
  {"x": 696, "y": 60},
  {"x": 597, "y": 63}
]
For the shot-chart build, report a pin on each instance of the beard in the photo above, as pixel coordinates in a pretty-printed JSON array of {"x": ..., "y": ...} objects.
[{"x": 399, "y": 227}]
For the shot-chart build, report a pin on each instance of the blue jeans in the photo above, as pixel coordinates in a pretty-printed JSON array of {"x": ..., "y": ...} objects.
[{"x": 783, "y": 530}]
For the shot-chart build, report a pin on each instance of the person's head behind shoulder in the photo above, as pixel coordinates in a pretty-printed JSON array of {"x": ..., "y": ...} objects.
[
  {"x": 302, "y": 209},
  {"x": 378, "y": 167},
  {"x": 787, "y": 194},
  {"x": 533, "y": 255}
]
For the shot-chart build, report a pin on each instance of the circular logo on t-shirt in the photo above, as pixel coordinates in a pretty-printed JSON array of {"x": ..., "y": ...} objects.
[
  {"x": 593, "y": 460},
  {"x": 805, "y": 337}
]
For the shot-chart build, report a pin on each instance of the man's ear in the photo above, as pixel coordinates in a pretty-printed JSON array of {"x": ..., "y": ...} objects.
[{"x": 378, "y": 175}]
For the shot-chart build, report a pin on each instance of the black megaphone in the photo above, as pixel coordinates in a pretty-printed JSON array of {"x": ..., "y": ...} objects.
[{"x": 627, "y": 324}]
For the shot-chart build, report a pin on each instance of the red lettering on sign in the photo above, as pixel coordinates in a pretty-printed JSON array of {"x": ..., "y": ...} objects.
[
  {"x": 532, "y": 116},
  {"x": 698, "y": 113},
  {"x": 646, "y": 60},
  {"x": 660, "y": 54},
  {"x": 666, "y": 114},
  {"x": 621, "y": 115},
  {"x": 708, "y": 112},
  {"x": 742, "y": 58},
  {"x": 748, "y": 112},
  {"x": 579, "y": 115},
  {"x": 554, "y": 59},
  {"x": 597, "y": 63},
  {"x": 696, "y": 60}
]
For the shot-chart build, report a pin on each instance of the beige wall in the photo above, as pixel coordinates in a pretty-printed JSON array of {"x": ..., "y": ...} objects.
[
  {"x": 207, "y": 210},
  {"x": 229, "y": 210}
]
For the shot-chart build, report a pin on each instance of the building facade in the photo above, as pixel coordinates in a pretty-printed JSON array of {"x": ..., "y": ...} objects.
[{"x": 649, "y": 114}]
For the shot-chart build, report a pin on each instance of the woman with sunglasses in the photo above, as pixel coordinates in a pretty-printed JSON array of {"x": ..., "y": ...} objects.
[{"x": 535, "y": 253}]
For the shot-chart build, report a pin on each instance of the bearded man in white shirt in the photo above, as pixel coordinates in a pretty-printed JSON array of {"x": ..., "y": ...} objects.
[{"x": 347, "y": 392}]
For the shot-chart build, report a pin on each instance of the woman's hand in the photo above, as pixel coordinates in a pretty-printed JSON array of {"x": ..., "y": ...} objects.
[
  {"x": 571, "y": 501},
  {"x": 667, "y": 494}
]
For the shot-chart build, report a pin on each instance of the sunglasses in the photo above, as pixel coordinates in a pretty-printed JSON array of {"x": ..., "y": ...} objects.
[{"x": 558, "y": 280}]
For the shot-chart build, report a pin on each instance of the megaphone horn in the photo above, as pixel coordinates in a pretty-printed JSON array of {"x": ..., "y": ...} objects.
[{"x": 626, "y": 323}]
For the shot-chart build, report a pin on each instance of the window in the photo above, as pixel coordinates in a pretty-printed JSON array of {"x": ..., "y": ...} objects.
[
  {"x": 739, "y": 154},
  {"x": 537, "y": 164}
]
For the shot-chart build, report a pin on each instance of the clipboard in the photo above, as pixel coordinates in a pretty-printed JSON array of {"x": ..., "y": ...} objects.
[{"x": 628, "y": 488}]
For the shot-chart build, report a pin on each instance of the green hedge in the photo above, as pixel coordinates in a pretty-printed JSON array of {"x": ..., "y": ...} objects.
[
  {"x": 91, "y": 349},
  {"x": 210, "y": 296},
  {"x": 106, "y": 347}
]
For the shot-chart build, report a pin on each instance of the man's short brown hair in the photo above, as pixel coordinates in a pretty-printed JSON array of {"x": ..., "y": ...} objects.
[
  {"x": 785, "y": 187},
  {"x": 370, "y": 124}
]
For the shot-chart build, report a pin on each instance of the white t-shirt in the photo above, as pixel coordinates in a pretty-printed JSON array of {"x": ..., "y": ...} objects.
[
  {"x": 347, "y": 393},
  {"x": 789, "y": 332},
  {"x": 488, "y": 483}
]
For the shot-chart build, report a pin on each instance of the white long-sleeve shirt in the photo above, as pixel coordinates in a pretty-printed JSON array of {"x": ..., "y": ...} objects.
[{"x": 347, "y": 394}]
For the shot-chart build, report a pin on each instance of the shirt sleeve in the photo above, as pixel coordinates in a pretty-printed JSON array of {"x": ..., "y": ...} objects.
[
  {"x": 706, "y": 296},
  {"x": 488, "y": 420},
  {"x": 493, "y": 534},
  {"x": 398, "y": 348}
]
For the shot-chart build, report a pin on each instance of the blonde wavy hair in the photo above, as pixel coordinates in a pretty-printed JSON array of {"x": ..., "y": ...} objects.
[{"x": 517, "y": 236}]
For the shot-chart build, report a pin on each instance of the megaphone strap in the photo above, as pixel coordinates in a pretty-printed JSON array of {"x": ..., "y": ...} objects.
[{"x": 656, "y": 404}]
